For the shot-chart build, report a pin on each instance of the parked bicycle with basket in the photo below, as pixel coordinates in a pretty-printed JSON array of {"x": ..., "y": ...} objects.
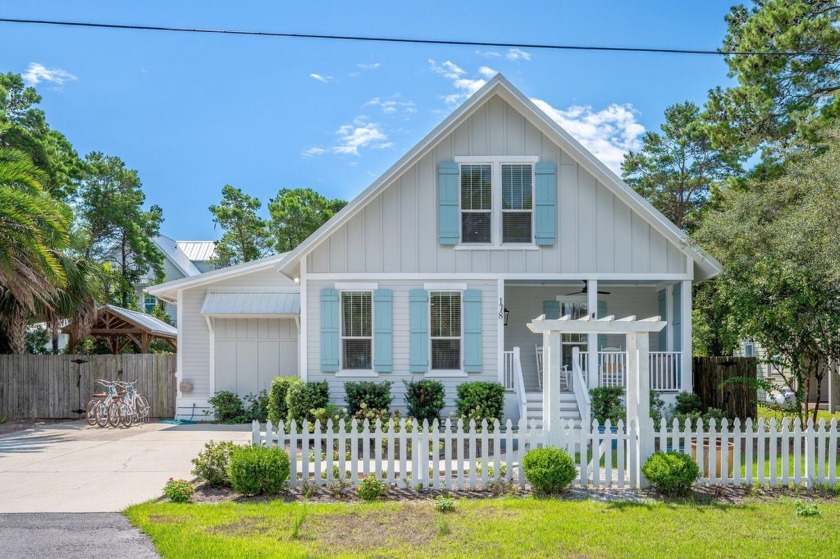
[{"x": 119, "y": 406}]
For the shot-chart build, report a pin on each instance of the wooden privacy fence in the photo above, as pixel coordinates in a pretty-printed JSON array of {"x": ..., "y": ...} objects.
[
  {"x": 736, "y": 399},
  {"x": 455, "y": 455},
  {"x": 44, "y": 386}
]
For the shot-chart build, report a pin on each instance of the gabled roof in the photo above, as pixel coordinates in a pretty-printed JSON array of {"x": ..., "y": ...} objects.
[
  {"x": 198, "y": 251},
  {"x": 172, "y": 250},
  {"x": 706, "y": 266},
  {"x": 168, "y": 291},
  {"x": 111, "y": 319}
]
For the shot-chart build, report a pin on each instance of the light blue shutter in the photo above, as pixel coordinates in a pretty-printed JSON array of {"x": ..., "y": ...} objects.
[
  {"x": 551, "y": 309},
  {"x": 602, "y": 312},
  {"x": 677, "y": 322},
  {"x": 449, "y": 231},
  {"x": 545, "y": 198},
  {"x": 661, "y": 297},
  {"x": 329, "y": 330},
  {"x": 472, "y": 331},
  {"x": 418, "y": 331},
  {"x": 382, "y": 330}
]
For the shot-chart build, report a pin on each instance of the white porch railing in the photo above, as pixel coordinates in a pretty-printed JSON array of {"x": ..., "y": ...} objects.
[
  {"x": 508, "y": 376},
  {"x": 612, "y": 369}
]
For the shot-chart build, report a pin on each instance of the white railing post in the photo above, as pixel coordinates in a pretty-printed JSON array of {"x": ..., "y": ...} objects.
[{"x": 519, "y": 384}]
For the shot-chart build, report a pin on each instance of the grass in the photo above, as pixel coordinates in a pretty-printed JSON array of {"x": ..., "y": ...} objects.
[
  {"x": 524, "y": 527},
  {"x": 765, "y": 412}
]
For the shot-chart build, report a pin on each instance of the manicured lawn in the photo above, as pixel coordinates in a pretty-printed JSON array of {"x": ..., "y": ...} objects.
[
  {"x": 523, "y": 527},
  {"x": 765, "y": 412}
]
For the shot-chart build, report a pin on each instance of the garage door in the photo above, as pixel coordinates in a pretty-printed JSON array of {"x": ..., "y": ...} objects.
[{"x": 249, "y": 352}]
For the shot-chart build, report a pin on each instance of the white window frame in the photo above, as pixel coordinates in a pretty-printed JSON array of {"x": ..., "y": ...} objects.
[
  {"x": 343, "y": 371},
  {"x": 146, "y": 297},
  {"x": 496, "y": 211},
  {"x": 444, "y": 373}
]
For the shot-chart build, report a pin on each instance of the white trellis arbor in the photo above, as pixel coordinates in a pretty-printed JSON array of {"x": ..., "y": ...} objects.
[{"x": 638, "y": 371}]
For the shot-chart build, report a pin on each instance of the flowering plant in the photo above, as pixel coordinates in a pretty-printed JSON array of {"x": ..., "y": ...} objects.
[{"x": 178, "y": 490}]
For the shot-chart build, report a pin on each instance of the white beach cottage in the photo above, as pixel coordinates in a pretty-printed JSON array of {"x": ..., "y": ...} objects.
[{"x": 494, "y": 218}]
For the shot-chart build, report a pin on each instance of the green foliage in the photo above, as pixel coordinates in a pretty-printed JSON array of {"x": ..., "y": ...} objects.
[
  {"x": 705, "y": 418},
  {"x": 677, "y": 169},
  {"x": 688, "y": 402},
  {"x": 371, "y": 488},
  {"x": 444, "y": 503},
  {"x": 244, "y": 233},
  {"x": 277, "y": 408},
  {"x": 803, "y": 509},
  {"x": 607, "y": 404},
  {"x": 296, "y": 213},
  {"x": 256, "y": 470},
  {"x": 425, "y": 399},
  {"x": 227, "y": 407},
  {"x": 211, "y": 464},
  {"x": 373, "y": 395},
  {"x": 178, "y": 490},
  {"x": 714, "y": 328},
  {"x": 302, "y": 399},
  {"x": 657, "y": 407},
  {"x": 480, "y": 400},
  {"x": 257, "y": 406},
  {"x": 672, "y": 473},
  {"x": 297, "y": 522},
  {"x": 549, "y": 470},
  {"x": 329, "y": 412}
]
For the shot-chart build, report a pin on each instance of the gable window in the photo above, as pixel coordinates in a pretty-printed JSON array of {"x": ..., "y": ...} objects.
[
  {"x": 497, "y": 200},
  {"x": 356, "y": 330},
  {"x": 149, "y": 303},
  {"x": 446, "y": 334}
]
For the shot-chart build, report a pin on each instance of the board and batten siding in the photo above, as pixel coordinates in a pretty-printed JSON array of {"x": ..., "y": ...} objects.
[
  {"x": 400, "y": 290},
  {"x": 596, "y": 232},
  {"x": 194, "y": 342}
]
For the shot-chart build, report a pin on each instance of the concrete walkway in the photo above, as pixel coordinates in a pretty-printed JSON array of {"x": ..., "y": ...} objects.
[{"x": 70, "y": 467}]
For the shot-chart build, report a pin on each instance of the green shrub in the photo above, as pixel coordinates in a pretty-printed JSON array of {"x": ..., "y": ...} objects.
[
  {"x": 607, "y": 404},
  {"x": 178, "y": 490},
  {"x": 212, "y": 463},
  {"x": 444, "y": 503},
  {"x": 425, "y": 399},
  {"x": 673, "y": 473},
  {"x": 549, "y": 470},
  {"x": 657, "y": 407},
  {"x": 258, "y": 470},
  {"x": 703, "y": 418},
  {"x": 277, "y": 408},
  {"x": 688, "y": 402},
  {"x": 257, "y": 406},
  {"x": 227, "y": 407},
  {"x": 371, "y": 488},
  {"x": 480, "y": 400},
  {"x": 302, "y": 399},
  {"x": 375, "y": 396}
]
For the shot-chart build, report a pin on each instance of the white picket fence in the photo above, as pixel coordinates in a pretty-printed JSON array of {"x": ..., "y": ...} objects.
[{"x": 455, "y": 455}]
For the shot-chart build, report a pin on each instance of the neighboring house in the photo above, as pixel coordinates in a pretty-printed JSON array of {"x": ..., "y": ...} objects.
[
  {"x": 181, "y": 259},
  {"x": 494, "y": 218}
]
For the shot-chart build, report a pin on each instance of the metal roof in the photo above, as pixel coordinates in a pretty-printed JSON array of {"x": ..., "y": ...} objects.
[
  {"x": 198, "y": 250},
  {"x": 178, "y": 257},
  {"x": 144, "y": 321},
  {"x": 251, "y": 304}
]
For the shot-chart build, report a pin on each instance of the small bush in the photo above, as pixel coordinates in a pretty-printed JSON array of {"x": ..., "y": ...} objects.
[
  {"x": 371, "y": 488},
  {"x": 703, "y": 418},
  {"x": 480, "y": 400},
  {"x": 374, "y": 395},
  {"x": 211, "y": 464},
  {"x": 425, "y": 399},
  {"x": 672, "y": 473},
  {"x": 256, "y": 470},
  {"x": 657, "y": 407},
  {"x": 549, "y": 470},
  {"x": 444, "y": 503},
  {"x": 803, "y": 509},
  {"x": 257, "y": 406},
  {"x": 277, "y": 408},
  {"x": 688, "y": 402},
  {"x": 227, "y": 407},
  {"x": 607, "y": 404},
  {"x": 178, "y": 490},
  {"x": 302, "y": 399}
]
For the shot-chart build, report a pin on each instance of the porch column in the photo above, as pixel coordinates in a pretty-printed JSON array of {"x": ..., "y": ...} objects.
[
  {"x": 686, "y": 381},
  {"x": 593, "y": 370},
  {"x": 638, "y": 399},
  {"x": 552, "y": 364}
]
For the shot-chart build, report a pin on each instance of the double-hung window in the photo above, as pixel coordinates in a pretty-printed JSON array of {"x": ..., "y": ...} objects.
[
  {"x": 446, "y": 334},
  {"x": 497, "y": 201},
  {"x": 356, "y": 330}
]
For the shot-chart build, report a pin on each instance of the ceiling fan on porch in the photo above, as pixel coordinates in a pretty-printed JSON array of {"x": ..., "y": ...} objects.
[{"x": 585, "y": 290}]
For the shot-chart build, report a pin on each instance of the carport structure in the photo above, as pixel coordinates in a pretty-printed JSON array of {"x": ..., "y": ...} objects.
[{"x": 121, "y": 326}]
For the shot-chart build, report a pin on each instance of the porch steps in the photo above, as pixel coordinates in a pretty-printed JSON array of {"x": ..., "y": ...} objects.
[{"x": 568, "y": 406}]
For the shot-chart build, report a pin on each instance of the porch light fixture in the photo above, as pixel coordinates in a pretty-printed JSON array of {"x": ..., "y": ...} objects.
[{"x": 504, "y": 314}]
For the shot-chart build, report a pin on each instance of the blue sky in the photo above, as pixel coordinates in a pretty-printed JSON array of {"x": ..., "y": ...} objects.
[{"x": 195, "y": 112}]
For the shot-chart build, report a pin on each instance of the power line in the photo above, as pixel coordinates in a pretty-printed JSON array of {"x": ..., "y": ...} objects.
[{"x": 406, "y": 41}]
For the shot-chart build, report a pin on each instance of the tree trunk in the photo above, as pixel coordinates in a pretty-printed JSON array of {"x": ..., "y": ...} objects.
[{"x": 18, "y": 322}]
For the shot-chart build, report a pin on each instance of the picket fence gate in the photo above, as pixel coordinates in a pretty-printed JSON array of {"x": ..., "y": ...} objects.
[{"x": 457, "y": 455}]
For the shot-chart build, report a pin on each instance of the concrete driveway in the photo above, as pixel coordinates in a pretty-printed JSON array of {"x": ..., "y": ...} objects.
[{"x": 70, "y": 467}]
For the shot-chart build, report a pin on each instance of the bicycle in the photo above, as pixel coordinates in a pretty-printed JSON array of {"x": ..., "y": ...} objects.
[
  {"x": 138, "y": 405},
  {"x": 98, "y": 409}
]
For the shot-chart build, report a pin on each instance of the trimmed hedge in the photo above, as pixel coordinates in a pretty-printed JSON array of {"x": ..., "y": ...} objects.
[
  {"x": 549, "y": 470},
  {"x": 480, "y": 400},
  {"x": 258, "y": 470},
  {"x": 277, "y": 408},
  {"x": 303, "y": 398},
  {"x": 425, "y": 399},
  {"x": 673, "y": 473},
  {"x": 374, "y": 396}
]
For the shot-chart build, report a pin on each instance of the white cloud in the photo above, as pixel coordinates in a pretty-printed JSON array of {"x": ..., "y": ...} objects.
[
  {"x": 320, "y": 78},
  {"x": 374, "y": 66},
  {"x": 354, "y": 137},
  {"x": 487, "y": 72},
  {"x": 608, "y": 133},
  {"x": 466, "y": 86},
  {"x": 37, "y": 73},
  {"x": 517, "y": 54},
  {"x": 393, "y": 105}
]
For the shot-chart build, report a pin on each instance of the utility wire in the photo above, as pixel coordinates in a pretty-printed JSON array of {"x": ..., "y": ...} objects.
[{"x": 407, "y": 41}]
